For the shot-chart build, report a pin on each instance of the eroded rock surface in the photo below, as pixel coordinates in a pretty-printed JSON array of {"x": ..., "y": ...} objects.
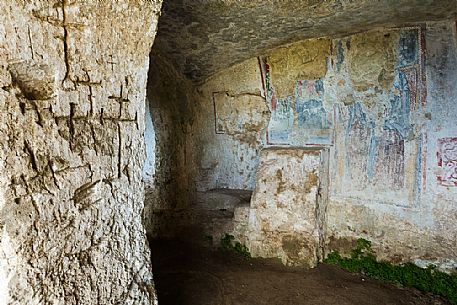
[
  {"x": 72, "y": 89},
  {"x": 283, "y": 218}
]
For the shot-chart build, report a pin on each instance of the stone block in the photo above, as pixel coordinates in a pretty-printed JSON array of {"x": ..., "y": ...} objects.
[{"x": 282, "y": 222}]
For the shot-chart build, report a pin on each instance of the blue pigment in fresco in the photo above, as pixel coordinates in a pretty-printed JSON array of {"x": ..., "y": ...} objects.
[
  {"x": 279, "y": 137},
  {"x": 357, "y": 117},
  {"x": 281, "y": 121},
  {"x": 319, "y": 86},
  {"x": 399, "y": 109},
  {"x": 408, "y": 48},
  {"x": 339, "y": 55},
  {"x": 282, "y": 111},
  {"x": 371, "y": 162},
  {"x": 311, "y": 114},
  {"x": 309, "y": 108}
]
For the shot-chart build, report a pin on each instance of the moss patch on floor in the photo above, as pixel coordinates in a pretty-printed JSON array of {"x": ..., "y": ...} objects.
[
  {"x": 362, "y": 260},
  {"x": 228, "y": 242}
]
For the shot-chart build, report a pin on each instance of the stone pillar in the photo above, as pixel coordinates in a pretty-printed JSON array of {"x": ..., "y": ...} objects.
[
  {"x": 284, "y": 220},
  {"x": 72, "y": 93}
]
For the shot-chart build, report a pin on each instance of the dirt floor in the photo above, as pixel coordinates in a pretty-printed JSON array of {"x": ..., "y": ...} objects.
[{"x": 187, "y": 274}]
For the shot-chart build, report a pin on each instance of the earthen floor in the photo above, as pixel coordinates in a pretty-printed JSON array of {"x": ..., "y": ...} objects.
[{"x": 187, "y": 274}]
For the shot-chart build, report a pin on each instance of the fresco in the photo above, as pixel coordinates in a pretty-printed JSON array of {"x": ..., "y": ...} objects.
[
  {"x": 281, "y": 121},
  {"x": 239, "y": 115},
  {"x": 309, "y": 105},
  {"x": 365, "y": 106},
  {"x": 378, "y": 130},
  {"x": 447, "y": 161},
  {"x": 404, "y": 99},
  {"x": 301, "y": 119}
]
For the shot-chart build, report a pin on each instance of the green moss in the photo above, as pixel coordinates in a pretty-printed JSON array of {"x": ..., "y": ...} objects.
[
  {"x": 228, "y": 242},
  {"x": 362, "y": 260}
]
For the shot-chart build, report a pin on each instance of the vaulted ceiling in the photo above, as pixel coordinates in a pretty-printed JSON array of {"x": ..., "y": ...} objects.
[{"x": 201, "y": 37}]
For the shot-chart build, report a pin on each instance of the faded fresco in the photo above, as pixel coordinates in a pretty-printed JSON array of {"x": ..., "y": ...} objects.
[
  {"x": 314, "y": 121},
  {"x": 281, "y": 121},
  {"x": 299, "y": 119},
  {"x": 377, "y": 125},
  {"x": 365, "y": 106},
  {"x": 447, "y": 161},
  {"x": 308, "y": 105},
  {"x": 387, "y": 121}
]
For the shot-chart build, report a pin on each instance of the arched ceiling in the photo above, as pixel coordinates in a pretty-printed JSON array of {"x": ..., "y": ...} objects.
[{"x": 201, "y": 37}]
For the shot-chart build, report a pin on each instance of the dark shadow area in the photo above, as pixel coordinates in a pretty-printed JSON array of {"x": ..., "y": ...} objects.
[{"x": 187, "y": 274}]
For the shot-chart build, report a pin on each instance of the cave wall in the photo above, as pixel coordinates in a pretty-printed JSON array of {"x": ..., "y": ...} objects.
[
  {"x": 172, "y": 106},
  {"x": 396, "y": 185},
  {"x": 72, "y": 91},
  {"x": 150, "y": 146},
  {"x": 231, "y": 120},
  {"x": 380, "y": 101}
]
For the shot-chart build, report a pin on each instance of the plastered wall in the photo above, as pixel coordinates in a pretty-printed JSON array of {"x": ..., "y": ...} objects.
[{"x": 390, "y": 186}]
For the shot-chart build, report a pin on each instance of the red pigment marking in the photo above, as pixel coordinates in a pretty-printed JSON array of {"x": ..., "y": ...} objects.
[
  {"x": 447, "y": 160},
  {"x": 273, "y": 102},
  {"x": 411, "y": 78},
  {"x": 262, "y": 76},
  {"x": 424, "y": 161}
]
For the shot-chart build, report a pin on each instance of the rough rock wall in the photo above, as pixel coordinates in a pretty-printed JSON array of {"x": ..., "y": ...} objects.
[
  {"x": 150, "y": 145},
  {"x": 231, "y": 122},
  {"x": 441, "y": 184},
  {"x": 194, "y": 153},
  {"x": 171, "y": 98},
  {"x": 72, "y": 89}
]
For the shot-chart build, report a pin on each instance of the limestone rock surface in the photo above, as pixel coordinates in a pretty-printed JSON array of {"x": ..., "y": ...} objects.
[
  {"x": 282, "y": 220},
  {"x": 72, "y": 91}
]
